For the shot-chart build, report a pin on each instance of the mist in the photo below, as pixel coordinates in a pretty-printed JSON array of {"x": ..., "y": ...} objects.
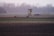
[{"x": 12, "y": 9}]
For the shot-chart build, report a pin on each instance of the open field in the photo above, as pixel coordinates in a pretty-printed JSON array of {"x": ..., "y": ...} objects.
[
  {"x": 25, "y": 19},
  {"x": 10, "y": 26},
  {"x": 35, "y": 29}
]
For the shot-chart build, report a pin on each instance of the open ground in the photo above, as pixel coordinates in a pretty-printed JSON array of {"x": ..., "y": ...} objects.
[{"x": 26, "y": 20}]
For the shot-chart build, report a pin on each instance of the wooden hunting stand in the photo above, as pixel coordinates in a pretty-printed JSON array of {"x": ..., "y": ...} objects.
[{"x": 30, "y": 12}]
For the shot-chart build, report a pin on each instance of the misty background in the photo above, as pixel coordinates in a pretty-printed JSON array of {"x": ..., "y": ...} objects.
[{"x": 12, "y": 9}]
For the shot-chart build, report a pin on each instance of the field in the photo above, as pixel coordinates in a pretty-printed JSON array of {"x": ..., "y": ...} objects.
[
  {"x": 21, "y": 26},
  {"x": 27, "y": 30},
  {"x": 25, "y": 19}
]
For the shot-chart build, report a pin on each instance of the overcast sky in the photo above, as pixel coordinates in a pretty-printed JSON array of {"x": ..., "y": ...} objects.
[{"x": 30, "y": 2}]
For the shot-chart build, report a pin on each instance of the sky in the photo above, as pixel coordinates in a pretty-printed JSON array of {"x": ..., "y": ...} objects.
[{"x": 30, "y": 2}]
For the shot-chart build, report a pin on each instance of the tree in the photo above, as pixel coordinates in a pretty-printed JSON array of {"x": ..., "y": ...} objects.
[{"x": 2, "y": 10}]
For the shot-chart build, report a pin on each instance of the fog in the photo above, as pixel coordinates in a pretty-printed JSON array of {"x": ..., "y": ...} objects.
[{"x": 12, "y": 9}]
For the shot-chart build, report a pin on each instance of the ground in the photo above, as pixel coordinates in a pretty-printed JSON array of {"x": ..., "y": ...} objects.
[
  {"x": 26, "y": 26},
  {"x": 26, "y": 20}
]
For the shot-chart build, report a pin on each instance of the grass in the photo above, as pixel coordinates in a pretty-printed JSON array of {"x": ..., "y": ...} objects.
[{"x": 26, "y": 19}]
